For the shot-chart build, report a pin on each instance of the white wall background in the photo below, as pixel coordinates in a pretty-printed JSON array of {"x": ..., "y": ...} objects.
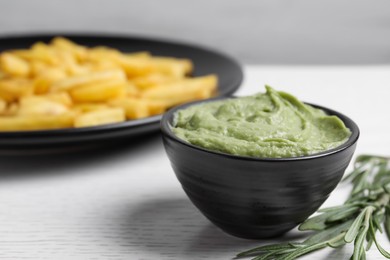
[{"x": 255, "y": 31}]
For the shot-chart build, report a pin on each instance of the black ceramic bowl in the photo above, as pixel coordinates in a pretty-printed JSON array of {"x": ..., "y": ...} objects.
[{"x": 251, "y": 197}]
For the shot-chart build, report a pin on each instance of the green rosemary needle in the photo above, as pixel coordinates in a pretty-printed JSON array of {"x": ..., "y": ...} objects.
[{"x": 365, "y": 212}]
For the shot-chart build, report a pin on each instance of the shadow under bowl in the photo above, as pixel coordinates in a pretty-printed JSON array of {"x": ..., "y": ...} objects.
[{"x": 256, "y": 197}]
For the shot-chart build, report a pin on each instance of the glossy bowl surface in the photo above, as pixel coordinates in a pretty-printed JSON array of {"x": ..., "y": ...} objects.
[{"x": 251, "y": 197}]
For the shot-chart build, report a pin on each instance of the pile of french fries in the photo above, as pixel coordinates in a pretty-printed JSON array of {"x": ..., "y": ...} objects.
[{"x": 62, "y": 85}]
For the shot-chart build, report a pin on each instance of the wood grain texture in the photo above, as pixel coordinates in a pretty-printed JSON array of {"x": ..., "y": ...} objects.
[{"x": 125, "y": 202}]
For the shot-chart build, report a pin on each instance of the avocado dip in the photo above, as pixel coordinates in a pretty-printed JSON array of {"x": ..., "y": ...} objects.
[{"x": 274, "y": 124}]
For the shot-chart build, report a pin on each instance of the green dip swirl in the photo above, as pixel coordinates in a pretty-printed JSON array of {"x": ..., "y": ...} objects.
[{"x": 266, "y": 125}]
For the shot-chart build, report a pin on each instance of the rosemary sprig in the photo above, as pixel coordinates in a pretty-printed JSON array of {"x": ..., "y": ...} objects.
[{"x": 364, "y": 213}]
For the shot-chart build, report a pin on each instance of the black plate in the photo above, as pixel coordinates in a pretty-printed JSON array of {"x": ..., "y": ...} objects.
[{"x": 205, "y": 62}]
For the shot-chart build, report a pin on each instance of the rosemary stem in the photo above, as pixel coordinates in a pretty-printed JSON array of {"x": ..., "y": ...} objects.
[
  {"x": 383, "y": 201},
  {"x": 365, "y": 211}
]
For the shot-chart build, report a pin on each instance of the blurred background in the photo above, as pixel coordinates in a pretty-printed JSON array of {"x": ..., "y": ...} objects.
[{"x": 253, "y": 31}]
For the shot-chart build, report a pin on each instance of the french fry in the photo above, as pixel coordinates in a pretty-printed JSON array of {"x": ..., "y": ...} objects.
[
  {"x": 188, "y": 97},
  {"x": 134, "y": 108},
  {"x": 43, "y": 52},
  {"x": 140, "y": 108},
  {"x": 88, "y": 107},
  {"x": 131, "y": 90},
  {"x": 3, "y": 106},
  {"x": 184, "y": 90},
  {"x": 104, "y": 53},
  {"x": 77, "y": 81},
  {"x": 152, "y": 80},
  {"x": 100, "y": 117},
  {"x": 39, "y": 54},
  {"x": 13, "y": 65},
  {"x": 156, "y": 107},
  {"x": 103, "y": 65},
  {"x": 69, "y": 63},
  {"x": 39, "y": 105},
  {"x": 36, "y": 122},
  {"x": 100, "y": 91},
  {"x": 140, "y": 54},
  {"x": 136, "y": 66},
  {"x": 172, "y": 66},
  {"x": 60, "y": 97},
  {"x": 46, "y": 78},
  {"x": 38, "y": 67},
  {"x": 12, "y": 109},
  {"x": 12, "y": 89},
  {"x": 79, "y": 52}
]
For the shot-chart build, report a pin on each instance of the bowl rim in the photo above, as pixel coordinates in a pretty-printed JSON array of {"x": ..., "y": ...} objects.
[{"x": 165, "y": 126}]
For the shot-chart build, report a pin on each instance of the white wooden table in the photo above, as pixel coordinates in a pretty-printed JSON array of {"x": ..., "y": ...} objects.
[{"x": 126, "y": 203}]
